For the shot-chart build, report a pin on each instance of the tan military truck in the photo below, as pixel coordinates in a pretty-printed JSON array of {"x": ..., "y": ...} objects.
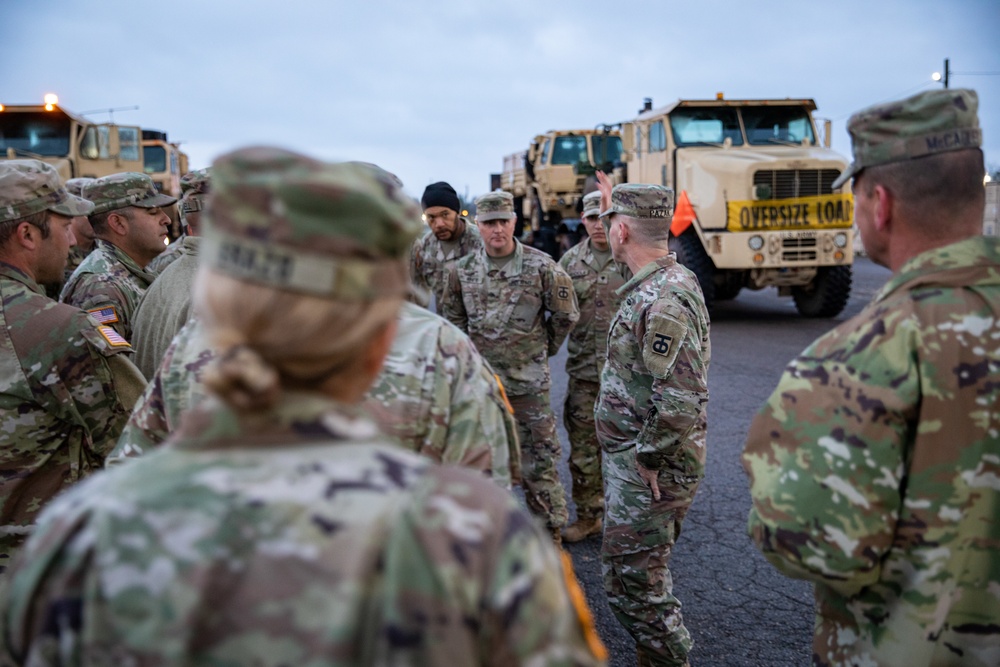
[
  {"x": 755, "y": 206},
  {"x": 548, "y": 181},
  {"x": 74, "y": 145},
  {"x": 165, "y": 163}
]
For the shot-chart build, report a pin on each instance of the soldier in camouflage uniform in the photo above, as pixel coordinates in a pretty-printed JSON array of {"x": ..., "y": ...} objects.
[
  {"x": 84, "y": 235},
  {"x": 60, "y": 408},
  {"x": 438, "y": 396},
  {"x": 130, "y": 226},
  {"x": 166, "y": 305},
  {"x": 435, "y": 395},
  {"x": 518, "y": 305},
  {"x": 83, "y": 232},
  {"x": 651, "y": 420},
  {"x": 596, "y": 279},
  {"x": 452, "y": 237},
  {"x": 196, "y": 181},
  {"x": 278, "y": 527},
  {"x": 874, "y": 465}
]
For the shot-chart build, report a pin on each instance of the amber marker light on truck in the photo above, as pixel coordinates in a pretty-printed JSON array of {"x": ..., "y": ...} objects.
[{"x": 51, "y": 100}]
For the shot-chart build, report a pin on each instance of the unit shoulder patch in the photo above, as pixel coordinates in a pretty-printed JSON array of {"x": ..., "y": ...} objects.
[
  {"x": 661, "y": 343},
  {"x": 562, "y": 293}
]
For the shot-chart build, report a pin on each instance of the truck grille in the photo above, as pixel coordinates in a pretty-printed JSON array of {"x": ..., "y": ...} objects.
[
  {"x": 791, "y": 183},
  {"x": 798, "y": 250}
]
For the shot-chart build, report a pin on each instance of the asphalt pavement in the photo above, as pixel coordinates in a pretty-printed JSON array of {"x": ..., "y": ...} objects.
[{"x": 739, "y": 609}]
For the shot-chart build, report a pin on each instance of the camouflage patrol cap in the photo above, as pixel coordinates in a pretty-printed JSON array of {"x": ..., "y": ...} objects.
[
  {"x": 496, "y": 205},
  {"x": 592, "y": 203},
  {"x": 195, "y": 186},
  {"x": 75, "y": 185},
  {"x": 925, "y": 124},
  {"x": 282, "y": 219},
  {"x": 110, "y": 193},
  {"x": 32, "y": 186},
  {"x": 641, "y": 200}
]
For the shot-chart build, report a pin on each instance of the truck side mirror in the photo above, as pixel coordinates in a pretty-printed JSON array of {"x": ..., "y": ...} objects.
[
  {"x": 628, "y": 138},
  {"x": 827, "y": 131},
  {"x": 90, "y": 144}
]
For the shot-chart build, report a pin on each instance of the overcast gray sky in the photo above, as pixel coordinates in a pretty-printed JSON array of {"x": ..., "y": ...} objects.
[{"x": 443, "y": 90}]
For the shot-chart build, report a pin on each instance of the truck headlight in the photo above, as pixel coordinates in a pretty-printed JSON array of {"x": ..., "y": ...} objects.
[
  {"x": 840, "y": 240},
  {"x": 756, "y": 242}
]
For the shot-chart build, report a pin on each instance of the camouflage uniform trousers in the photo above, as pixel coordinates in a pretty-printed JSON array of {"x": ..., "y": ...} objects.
[
  {"x": 585, "y": 451},
  {"x": 639, "y": 535},
  {"x": 540, "y": 452}
]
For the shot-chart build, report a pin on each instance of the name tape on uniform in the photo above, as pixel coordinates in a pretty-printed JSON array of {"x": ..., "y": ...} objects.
[{"x": 269, "y": 264}]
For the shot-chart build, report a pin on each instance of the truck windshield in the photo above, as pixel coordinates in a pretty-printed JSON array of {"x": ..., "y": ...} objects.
[
  {"x": 154, "y": 159},
  {"x": 777, "y": 125},
  {"x": 570, "y": 149},
  {"x": 700, "y": 126},
  {"x": 607, "y": 148},
  {"x": 43, "y": 133}
]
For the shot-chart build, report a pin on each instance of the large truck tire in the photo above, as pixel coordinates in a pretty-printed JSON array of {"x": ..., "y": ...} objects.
[
  {"x": 727, "y": 291},
  {"x": 826, "y": 295},
  {"x": 692, "y": 254},
  {"x": 728, "y": 284}
]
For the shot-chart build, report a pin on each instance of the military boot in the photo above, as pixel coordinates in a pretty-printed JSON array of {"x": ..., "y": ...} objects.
[{"x": 584, "y": 527}]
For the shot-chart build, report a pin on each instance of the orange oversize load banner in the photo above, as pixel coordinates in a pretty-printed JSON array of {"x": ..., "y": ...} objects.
[{"x": 772, "y": 215}]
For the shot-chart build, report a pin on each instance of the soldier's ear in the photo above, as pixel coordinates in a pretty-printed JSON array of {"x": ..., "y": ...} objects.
[
  {"x": 28, "y": 236},
  {"x": 117, "y": 223},
  {"x": 623, "y": 232},
  {"x": 885, "y": 202}
]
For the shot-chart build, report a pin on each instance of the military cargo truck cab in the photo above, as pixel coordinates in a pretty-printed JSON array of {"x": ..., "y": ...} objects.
[
  {"x": 72, "y": 144},
  {"x": 755, "y": 206},
  {"x": 549, "y": 179}
]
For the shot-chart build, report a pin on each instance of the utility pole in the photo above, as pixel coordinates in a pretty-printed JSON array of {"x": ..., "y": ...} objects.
[{"x": 947, "y": 71}]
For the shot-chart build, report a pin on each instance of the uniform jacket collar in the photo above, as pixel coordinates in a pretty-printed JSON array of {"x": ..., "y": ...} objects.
[
  {"x": 588, "y": 257},
  {"x": 516, "y": 264},
  {"x": 14, "y": 273},
  {"x": 648, "y": 270},
  {"x": 973, "y": 261},
  {"x": 299, "y": 417},
  {"x": 111, "y": 250}
]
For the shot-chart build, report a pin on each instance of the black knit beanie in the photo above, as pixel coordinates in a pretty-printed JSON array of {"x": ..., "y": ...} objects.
[{"x": 440, "y": 194}]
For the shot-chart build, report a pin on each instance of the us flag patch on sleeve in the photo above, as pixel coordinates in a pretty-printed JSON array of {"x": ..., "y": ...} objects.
[
  {"x": 106, "y": 315},
  {"x": 113, "y": 337}
]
